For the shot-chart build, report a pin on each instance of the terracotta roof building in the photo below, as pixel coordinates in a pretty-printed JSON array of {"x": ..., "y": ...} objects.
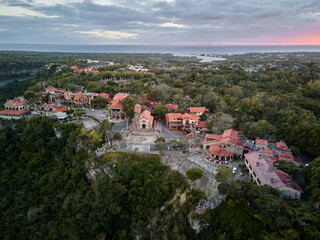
[
  {"x": 174, "y": 121},
  {"x": 145, "y": 121},
  {"x": 263, "y": 172},
  {"x": 197, "y": 110},
  {"x": 281, "y": 145},
  {"x": 119, "y": 97},
  {"x": 172, "y": 107},
  {"x": 228, "y": 142},
  {"x": 116, "y": 110},
  {"x": 261, "y": 142},
  {"x": 14, "y": 109}
]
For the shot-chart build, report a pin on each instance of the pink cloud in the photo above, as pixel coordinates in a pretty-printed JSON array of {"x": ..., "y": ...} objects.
[{"x": 305, "y": 35}]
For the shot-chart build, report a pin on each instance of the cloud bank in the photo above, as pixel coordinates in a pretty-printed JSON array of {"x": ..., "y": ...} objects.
[{"x": 189, "y": 22}]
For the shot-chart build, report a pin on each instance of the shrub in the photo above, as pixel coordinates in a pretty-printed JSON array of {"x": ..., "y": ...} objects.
[{"x": 194, "y": 174}]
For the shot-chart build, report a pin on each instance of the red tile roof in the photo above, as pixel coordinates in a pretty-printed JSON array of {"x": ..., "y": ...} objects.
[
  {"x": 230, "y": 135},
  {"x": 15, "y": 102},
  {"x": 49, "y": 106},
  {"x": 146, "y": 114},
  {"x": 61, "y": 109},
  {"x": 150, "y": 104},
  {"x": 14, "y": 112},
  {"x": 261, "y": 142},
  {"x": 174, "y": 115},
  {"x": 262, "y": 166},
  {"x": 285, "y": 178},
  {"x": 120, "y": 97},
  {"x": 143, "y": 99},
  {"x": 51, "y": 89},
  {"x": 201, "y": 124},
  {"x": 171, "y": 106},
  {"x": 116, "y": 105},
  {"x": 213, "y": 137},
  {"x": 285, "y": 155},
  {"x": 197, "y": 109},
  {"x": 266, "y": 150},
  {"x": 281, "y": 145},
  {"x": 297, "y": 160},
  {"x": 137, "y": 110},
  {"x": 104, "y": 95},
  {"x": 216, "y": 150},
  {"x": 192, "y": 117}
]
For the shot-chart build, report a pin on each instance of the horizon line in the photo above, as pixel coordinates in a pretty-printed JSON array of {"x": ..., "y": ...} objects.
[{"x": 182, "y": 45}]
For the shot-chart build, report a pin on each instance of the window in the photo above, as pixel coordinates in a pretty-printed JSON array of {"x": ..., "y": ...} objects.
[{"x": 258, "y": 181}]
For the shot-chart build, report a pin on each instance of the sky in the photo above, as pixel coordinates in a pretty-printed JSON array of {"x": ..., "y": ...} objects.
[{"x": 161, "y": 22}]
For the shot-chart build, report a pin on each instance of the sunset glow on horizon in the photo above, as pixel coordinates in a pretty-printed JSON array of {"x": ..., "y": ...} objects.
[{"x": 165, "y": 22}]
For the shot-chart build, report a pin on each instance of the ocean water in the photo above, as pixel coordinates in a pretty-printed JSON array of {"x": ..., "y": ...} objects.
[{"x": 176, "y": 50}]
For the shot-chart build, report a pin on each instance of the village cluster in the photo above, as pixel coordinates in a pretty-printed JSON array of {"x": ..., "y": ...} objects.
[{"x": 260, "y": 157}]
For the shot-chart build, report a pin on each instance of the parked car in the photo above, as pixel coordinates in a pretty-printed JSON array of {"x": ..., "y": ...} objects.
[{"x": 234, "y": 170}]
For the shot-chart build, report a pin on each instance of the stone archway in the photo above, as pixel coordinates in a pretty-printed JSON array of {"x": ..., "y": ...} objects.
[{"x": 144, "y": 126}]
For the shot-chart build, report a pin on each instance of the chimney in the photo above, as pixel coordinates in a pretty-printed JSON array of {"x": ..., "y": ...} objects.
[
  {"x": 272, "y": 180},
  {"x": 257, "y": 164}
]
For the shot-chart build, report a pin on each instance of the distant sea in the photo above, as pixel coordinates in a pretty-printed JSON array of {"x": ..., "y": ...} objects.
[{"x": 176, "y": 50}]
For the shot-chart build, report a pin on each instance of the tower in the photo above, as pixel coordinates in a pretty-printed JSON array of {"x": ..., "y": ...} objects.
[{"x": 137, "y": 112}]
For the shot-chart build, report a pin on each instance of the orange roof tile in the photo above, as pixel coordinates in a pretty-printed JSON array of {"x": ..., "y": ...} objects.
[
  {"x": 116, "y": 105},
  {"x": 174, "y": 115},
  {"x": 14, "y": 112},
  {"x": 216, "y": 150},
  {"x": 171, "y": 106},
  {"x": 61, "y": 109},
  {"x": 285, "y": 155},
  {"x": 197, "y": 109},
  {"x": 146, "y": 114},
  {"x": 192, "y": 117},
  {"x": 261, "y": 142},
  {"x": 15, "y": 102},
  {"x": 201, "y": 124},
  {"x": 281, "y": 145}
]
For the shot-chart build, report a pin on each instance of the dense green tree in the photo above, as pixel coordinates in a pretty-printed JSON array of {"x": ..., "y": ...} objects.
[
  {"x": 117, "y": 136},
  {"x": 194, "y": 174},
  {"x": 219, "y": 121},
  {"x": 160, "y": 111},
  {"x": 98, "y": 103},
  {"x": 224, "y": 174},
  {"x": 128, "y": 106}
]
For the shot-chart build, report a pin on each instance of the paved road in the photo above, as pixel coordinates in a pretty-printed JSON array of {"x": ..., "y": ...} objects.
[
  {"x": 97, "y": 113},
  {"x": 119, "y": 127},
  {"x": 166, "y": 132}
]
